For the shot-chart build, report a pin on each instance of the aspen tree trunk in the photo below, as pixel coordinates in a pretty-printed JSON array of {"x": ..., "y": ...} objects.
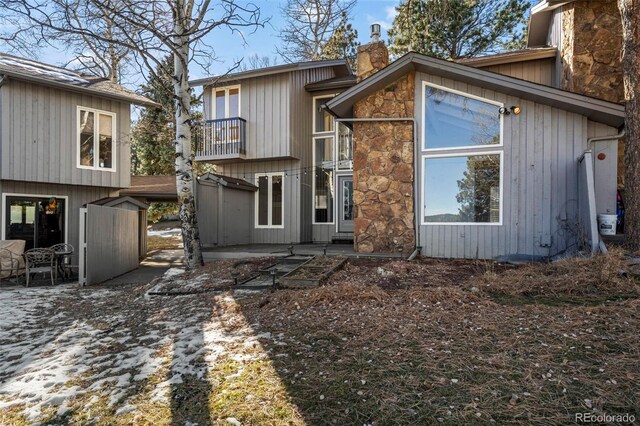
[
  {"x": 630, "y": 13},
  {"x": 184, "y": 170}
]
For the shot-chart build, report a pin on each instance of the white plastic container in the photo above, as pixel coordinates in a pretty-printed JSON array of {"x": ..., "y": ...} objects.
[{"x": 607, "y": 224}]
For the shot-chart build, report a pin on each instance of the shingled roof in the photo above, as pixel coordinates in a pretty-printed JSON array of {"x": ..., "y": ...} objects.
[{"x": 14, "y": 67}]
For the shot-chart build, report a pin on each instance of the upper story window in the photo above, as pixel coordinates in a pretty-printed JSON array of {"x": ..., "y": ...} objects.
[
  {"x": 462, "y": 158},
  {"x": 322, "y": 120},
  {"x": 96, "y": 139},
  {"x": 455, "y": 120},
  {"x": 226, "y": 102}
]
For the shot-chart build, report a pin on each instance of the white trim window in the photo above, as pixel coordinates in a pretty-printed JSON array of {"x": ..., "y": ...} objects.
[
  {"x": 270, "y": 200},
  {"x": 225, "y": 102},
  {"x": 323, "y": 179},
  {"x": 462, "y": 158},
  {"x": 96, "y": 139}
]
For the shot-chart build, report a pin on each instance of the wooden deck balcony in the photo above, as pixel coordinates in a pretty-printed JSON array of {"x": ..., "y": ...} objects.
[{"x": 222, "y": 139}]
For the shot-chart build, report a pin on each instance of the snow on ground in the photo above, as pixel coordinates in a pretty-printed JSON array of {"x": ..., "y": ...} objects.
[
  {"x": 67, "y": 348},
  {"x": 166, "y": 233}
]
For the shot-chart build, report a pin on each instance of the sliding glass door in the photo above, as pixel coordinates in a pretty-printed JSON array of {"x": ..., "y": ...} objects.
[{"x": 38, "y": 221}]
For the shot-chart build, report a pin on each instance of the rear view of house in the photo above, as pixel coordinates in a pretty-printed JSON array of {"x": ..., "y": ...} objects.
[
  {"x": 64, "y": 143},
  {"x": 503, "y": 155},
  {"x": 268, "y": 127}
]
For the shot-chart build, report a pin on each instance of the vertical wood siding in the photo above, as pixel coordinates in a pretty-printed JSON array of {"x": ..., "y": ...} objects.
[
  {"x": 77, "y": 197},
  {"x": 279, "y": 115},
  {"x": 112, "y": 242},
  {"x": 540, "y": 178},
  {"x": 39, "y": 136},
  {"x": 225, "y": 215},
  {"x": 538, "y": 71},
  {"x": 291, "y": 196}
]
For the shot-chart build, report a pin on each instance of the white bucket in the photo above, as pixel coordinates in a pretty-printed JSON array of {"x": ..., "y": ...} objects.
[{"x": 607, "y": 224}]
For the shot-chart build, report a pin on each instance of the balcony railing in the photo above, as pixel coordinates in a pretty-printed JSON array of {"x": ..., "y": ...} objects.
[{"x": 220, "y": 139}]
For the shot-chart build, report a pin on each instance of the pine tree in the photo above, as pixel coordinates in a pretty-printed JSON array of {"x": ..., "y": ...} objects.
[
  {"x": 454, "y": 29},
  {"x": 343, "y": 43},
  {"x": 153, "y": 134}
]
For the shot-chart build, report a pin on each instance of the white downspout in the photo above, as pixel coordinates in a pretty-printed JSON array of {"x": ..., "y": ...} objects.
[{"x": 601, "y": 245}]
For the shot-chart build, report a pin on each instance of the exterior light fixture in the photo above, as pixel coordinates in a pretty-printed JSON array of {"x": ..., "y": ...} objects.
[
  {"x": 516, "y": 110},
  {"x": 504, "y": 111}
]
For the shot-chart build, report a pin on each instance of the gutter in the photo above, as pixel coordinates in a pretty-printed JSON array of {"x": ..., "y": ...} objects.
[{"x": 415, "y": 164}]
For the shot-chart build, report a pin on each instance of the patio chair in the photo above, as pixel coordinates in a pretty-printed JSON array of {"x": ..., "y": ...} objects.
[
  {"x": 9, "y": 264},
  {"x": 63, "y": 252},
  {"x": 41, "y": 261}
]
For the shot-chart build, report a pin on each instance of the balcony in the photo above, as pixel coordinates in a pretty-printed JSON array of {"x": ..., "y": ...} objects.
[{"x": 222, "y": 139}]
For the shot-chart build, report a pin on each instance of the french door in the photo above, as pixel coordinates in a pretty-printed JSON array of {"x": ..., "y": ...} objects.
[
  {"x": 40, "y": 221},
  {"x": 345, "y": 204}
]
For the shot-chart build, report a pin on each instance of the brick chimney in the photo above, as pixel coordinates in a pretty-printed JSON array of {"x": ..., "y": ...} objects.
[{"x": 372, "y": 57}]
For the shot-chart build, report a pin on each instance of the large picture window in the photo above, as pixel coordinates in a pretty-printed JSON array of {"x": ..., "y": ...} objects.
[
  {"x": 462, "y": 189},
  {"x": 96, "y": 139},
  {"x": 269, "y": 200},
  {"x": 453, "y": 120},
  {"x": 462, "y": 170}
]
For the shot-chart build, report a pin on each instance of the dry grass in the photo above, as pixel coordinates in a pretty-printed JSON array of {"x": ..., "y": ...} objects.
[
  {"x": 572, "y": 280},
  {"x": 392, "y": 342},
  {"x": 430, "y": 344}
]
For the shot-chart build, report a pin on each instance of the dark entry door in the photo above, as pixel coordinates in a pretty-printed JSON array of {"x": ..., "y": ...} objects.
[
  {"x": 345, "y": 204},
  {"x": 38, "y": 221}
]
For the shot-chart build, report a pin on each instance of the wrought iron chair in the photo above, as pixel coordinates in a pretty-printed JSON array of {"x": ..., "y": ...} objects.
[
  {"x": 63, "y": 252},
  {"x": 8, "y": 264},
  {"x": 41, "y": 261}
]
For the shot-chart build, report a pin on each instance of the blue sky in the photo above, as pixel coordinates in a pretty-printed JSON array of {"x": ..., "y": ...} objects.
[{"x": 229, "y": 47}]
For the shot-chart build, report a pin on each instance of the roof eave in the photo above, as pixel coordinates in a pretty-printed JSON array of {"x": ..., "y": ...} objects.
[
  {"x": 598, "y": 110},
  {"x": 80, "y": 89},
  {"x": 522, "y": 56},
  {"x": 278, "y": 69}
]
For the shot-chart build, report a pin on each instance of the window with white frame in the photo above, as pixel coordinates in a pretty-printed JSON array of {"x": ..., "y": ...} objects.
[
  {"x": 324, "y": 162},
  {"x": 345, "y": 147},
  {"x": 226, "y": 102},
  {"x": 323, "y": 190},
  {"x": 462, "y": 158},
  {"x": 269, "y": 200},
  {"x": 96, "y": 139}
]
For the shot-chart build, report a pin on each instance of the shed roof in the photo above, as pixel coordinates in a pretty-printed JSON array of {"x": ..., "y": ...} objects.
[
  {"x": 227, "y": 181},
  {"x": 23, "y": 69},
  {"x": 340, "y": 65},
  {"x": 597, "y": 110},
  {"x": 116, "y": 201}
]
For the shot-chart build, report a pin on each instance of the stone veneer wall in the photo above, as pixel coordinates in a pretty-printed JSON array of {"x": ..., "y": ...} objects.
[
  {"x": 591, "y": 48},
  {"x": 383, "y": 171},
  {"x": 372, "y": 57}
]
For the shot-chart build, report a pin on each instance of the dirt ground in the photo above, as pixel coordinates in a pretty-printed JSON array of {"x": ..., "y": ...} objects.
[{"x": 382, "y": 342}]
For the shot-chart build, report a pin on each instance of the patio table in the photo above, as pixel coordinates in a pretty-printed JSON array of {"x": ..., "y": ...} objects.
[{"x": 60, "y": 257}]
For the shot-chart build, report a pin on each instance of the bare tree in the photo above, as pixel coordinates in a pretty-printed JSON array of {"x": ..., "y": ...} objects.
[
  {"x": 255, "y": 61},
  {"x": 630, "y": 13},
  {"x": 308, "y": 26},
  {"x": 150, "y": 29},
  {"x": 93, "y": 55}
]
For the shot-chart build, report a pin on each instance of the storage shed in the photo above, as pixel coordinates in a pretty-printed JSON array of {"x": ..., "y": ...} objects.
[{"x": 225, "y": 208}]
